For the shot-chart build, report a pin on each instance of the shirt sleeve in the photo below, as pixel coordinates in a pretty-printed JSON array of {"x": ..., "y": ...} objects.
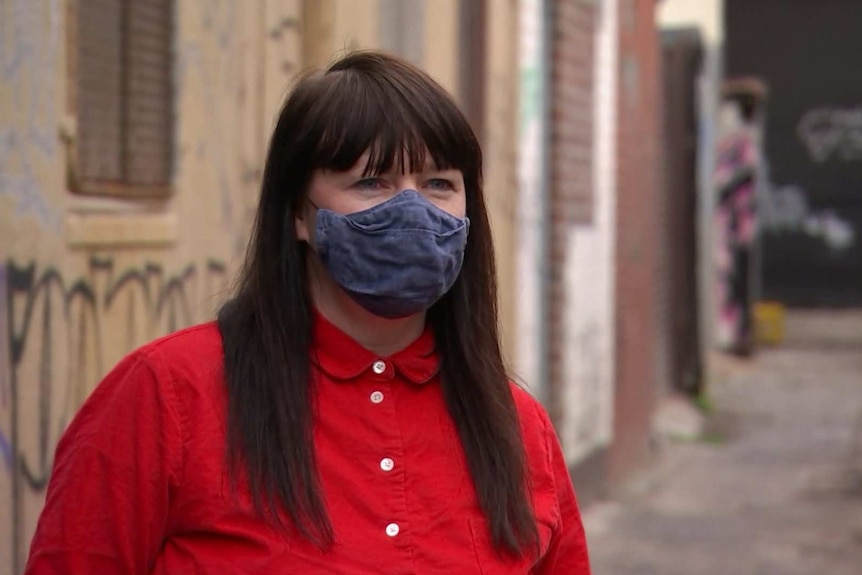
[
  {"x": 567, "y": 552},
  {"x": 107, "y": 505}
]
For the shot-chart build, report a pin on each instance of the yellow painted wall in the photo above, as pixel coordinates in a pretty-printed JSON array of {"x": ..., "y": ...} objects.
[
  {"x": 334, "y": 27},
  {"x": 501, "y": 156},
  {"x": 85, "y": 280},
  {"x": 440, "y": 42}
]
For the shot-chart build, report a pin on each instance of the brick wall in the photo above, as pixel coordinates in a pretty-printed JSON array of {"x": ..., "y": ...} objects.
[
  {"x": 571, "y": 186},
  {"x": 638, "y": 234}
]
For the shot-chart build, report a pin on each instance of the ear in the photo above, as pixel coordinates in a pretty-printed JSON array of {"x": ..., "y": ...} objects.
[
  {"x": 305, "y": 222},
  {"x": 301, "y": 222}
]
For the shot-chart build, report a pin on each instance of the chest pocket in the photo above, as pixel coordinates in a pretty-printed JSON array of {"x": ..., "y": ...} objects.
[{"x": 490, "y": 562}]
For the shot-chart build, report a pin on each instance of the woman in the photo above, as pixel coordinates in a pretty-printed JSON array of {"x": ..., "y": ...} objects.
[{"x": 349, "y": 412}]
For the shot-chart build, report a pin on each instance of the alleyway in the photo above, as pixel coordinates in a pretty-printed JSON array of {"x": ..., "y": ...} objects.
[{"x": 775, "y": 485}]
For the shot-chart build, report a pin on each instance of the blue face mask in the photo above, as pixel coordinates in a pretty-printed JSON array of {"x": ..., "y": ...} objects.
[{"x": 395, "y": 259}]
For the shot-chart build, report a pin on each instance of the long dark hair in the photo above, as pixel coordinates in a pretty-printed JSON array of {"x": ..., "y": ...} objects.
[{"x": 365, "y": 101}]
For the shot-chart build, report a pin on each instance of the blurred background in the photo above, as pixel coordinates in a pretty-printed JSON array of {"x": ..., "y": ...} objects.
[{"x": 676, "y": 194}]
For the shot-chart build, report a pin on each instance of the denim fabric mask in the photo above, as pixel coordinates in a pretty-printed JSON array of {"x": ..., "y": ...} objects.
[{"x": 395, "y": 259}]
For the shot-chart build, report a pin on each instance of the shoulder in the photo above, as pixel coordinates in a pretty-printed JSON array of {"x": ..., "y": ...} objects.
[
  {"x": 545, "y": 458},
  {"x": 536, "y": 427},
  {"x": 188, "y": 353},
  {"x": 530, "y": 410},
  {"x": 145, "y": 387},
  {"x": 162, "y": 370},
  {"x": 189, "y": 368}
]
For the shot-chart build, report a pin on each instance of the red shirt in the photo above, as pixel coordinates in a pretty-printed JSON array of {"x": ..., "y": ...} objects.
[{"x": 140, "y": 483}]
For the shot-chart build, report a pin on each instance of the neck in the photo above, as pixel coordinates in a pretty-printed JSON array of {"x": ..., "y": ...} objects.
[{"x": 379, "y": 335}]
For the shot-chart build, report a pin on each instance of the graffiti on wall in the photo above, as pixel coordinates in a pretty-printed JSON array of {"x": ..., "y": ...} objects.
[
  {"x": 786, "y": 209},
  {"x": 735, "y": 232},
  {"x": 832, "y": 134},
  {"x": 737, "y": 181},
  {"x": 60, "y": 335}
]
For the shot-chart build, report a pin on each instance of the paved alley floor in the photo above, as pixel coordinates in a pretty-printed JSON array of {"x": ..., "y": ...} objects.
[{"x": 774, "y": 487}]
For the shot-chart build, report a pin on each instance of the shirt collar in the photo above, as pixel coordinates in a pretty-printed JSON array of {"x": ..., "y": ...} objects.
[{"x": 343, "y": 359}]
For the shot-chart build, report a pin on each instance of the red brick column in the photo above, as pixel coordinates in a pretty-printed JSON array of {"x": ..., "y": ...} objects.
[{"x": 638, "y": 236}]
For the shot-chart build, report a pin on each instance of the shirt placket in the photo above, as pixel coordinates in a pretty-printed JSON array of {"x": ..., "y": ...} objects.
[{"x": 391, "y": 465}]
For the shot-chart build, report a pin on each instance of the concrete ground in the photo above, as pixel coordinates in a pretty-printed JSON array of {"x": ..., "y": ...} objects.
[{"x": 773, "y": 486}]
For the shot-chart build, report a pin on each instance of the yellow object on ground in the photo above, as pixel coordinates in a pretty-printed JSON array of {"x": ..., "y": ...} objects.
[{"x": 769, "y": 322}]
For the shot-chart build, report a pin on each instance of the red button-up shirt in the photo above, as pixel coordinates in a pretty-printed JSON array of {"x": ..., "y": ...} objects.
[{"x": 140, "y": 483}]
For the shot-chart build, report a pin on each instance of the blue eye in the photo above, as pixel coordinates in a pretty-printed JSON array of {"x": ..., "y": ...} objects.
[
  {"x": 440, "y": 184},
  {"x": 368, "y": 184}
]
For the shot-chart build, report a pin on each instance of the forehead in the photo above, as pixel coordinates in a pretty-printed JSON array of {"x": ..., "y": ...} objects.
[{"x": 405, "y": 164}]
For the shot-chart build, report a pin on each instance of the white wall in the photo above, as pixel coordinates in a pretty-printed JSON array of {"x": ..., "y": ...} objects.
[
  {"x": 532, "y": 194},
  {"x": 589, "y": 271}
]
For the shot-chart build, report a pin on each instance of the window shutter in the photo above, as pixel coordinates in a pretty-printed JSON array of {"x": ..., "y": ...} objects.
[
  {"x": 99, "y": 100},
  {"x": 124, "y": 96},
  {"x": 148, "y": 109}
]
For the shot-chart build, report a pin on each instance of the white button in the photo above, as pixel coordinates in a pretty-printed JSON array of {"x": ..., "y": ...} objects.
[
  {"x": 377, "y": 397},
  {"x": 392, "y": 529},
  {"x": 379, "y": 367},
  {"x": 387, "y": 464}
]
